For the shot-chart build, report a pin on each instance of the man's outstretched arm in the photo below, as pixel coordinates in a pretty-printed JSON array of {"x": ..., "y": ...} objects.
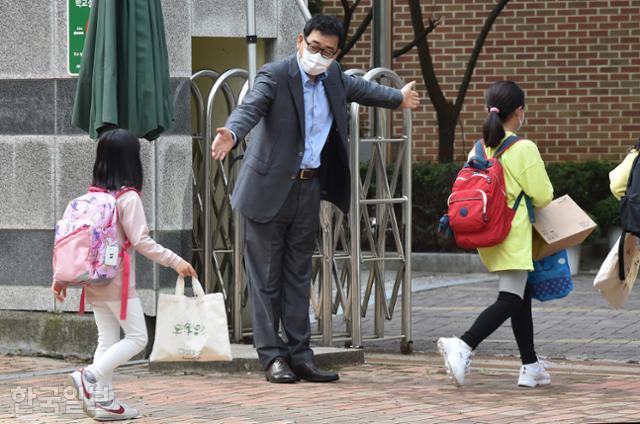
[
  {"x": 370, "y": 93},
  {"x": 244, "y": 117}
]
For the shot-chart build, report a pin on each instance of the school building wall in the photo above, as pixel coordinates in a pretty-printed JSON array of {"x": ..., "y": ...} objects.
[
  {"x": 45, "y": 162},
  {"x": 578, "y": 62}
]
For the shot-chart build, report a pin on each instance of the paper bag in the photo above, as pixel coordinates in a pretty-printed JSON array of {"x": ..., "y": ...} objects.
[
  {"x": 191, "y": 328},
  {"x": 608, "y": 282}
]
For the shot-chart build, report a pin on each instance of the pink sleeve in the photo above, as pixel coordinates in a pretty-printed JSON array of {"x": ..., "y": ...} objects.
[{"x": 134, "y": 224}]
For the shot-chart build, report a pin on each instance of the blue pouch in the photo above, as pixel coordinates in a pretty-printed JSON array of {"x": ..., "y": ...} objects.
[{"x": 551, "y": 277}]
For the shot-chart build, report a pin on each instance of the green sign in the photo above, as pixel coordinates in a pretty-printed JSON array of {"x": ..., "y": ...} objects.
[{"x": 78, "y": 19}]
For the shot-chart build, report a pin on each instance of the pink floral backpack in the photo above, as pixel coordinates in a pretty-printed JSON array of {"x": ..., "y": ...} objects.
[{"x": 86, "y": 249}]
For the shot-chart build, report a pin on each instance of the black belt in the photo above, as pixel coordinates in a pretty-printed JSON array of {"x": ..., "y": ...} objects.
[{"x": 307, "y": 173}]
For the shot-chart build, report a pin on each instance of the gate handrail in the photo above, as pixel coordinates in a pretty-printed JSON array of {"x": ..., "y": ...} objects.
[
  {"x": 357, "y": 201},
  {"x": 236, "y": 309}
]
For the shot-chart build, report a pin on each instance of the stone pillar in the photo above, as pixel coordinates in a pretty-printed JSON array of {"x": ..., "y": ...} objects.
[{"x": 45, "y": 162}]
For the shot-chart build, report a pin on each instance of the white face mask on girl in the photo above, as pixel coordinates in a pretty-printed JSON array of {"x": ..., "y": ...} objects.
[
  {"x": 521, "y": 123},
  {"x": 314, "y": 64}
]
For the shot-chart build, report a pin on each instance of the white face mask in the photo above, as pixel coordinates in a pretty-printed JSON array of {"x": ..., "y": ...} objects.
[
  {"x": 521, "y": 123},
  {"x": 314, "y": 64}
]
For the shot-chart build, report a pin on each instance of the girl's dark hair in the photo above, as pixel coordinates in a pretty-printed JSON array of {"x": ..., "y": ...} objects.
[
  {"x": 117, "y": 161},
  {"x": 506, "y": 97},
  {"x": 326, "y": 25}
]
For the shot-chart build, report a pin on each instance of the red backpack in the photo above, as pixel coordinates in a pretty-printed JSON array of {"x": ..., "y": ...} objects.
[{"x": 478, "y": 213}]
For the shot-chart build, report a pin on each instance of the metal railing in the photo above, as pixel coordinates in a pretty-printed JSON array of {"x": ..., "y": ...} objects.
[
  {"x": 390, "y": 194},
  {"x": 216, "y": 240},
  {"x": 350, "y": 249}
]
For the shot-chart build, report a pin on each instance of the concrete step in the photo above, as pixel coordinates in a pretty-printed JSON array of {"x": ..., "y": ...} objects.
[
  {"x": 245, "y": 359},
  {"x": 65, "y": 335}
]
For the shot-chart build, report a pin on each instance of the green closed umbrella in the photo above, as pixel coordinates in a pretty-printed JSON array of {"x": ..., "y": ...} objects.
[{"x": 124, "y": 74}]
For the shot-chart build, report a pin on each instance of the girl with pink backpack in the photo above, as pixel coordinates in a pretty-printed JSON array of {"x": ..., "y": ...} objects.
[{"x": 95, "y": 243}]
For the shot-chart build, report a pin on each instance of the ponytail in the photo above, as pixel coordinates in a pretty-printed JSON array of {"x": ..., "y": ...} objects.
[
  {"x": 492, "y": 130},
  {"x": 502, "y": 99}
]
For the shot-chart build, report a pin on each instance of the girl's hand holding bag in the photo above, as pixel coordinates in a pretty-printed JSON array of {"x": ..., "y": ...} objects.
[{"x": 191, "y": 328}]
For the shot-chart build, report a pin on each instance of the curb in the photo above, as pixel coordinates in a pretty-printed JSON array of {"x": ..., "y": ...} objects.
[{"x": 245, "y": 359}]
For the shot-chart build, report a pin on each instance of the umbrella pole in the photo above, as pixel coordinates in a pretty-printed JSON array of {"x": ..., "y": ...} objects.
[
  {"x": 302, "y": 5},
  {"x": 252, "y": 40}
]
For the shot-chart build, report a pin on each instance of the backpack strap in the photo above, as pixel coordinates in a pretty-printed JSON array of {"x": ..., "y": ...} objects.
[
  {"x": 126, "y": 263},
  {"x": 126, "y": 270},
  {"x": 124, "y": 190},
  {"x": 621, "y": 243},
  {"x": 94, "y": 189},
  {"x": 510, "y": 141},
  {"x": 529, "y": 203},
  {"x": 82, "y": 302}
]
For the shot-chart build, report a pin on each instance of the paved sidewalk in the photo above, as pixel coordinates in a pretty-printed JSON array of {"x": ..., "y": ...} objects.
[
  {"x": 580, "y": 326},
  {"x": 596, "y": 384},
  {"x": 388, "y": 389}
]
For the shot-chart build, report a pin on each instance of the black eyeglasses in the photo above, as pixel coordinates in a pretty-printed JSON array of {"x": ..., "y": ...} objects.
[{"x": 327, "y": 54}]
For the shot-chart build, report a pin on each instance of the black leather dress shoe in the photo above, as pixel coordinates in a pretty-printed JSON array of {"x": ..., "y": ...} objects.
[
  {"x": 279, "y": 372},
  {"x": 309, "y": 372}
]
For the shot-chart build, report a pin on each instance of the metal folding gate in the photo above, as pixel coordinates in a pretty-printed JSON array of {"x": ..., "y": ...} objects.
[
  {"x": 216, "y": 228},
  {"x": 351, "y": 249}
]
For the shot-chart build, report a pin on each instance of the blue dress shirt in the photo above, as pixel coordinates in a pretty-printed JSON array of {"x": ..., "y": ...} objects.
[{"x": 317, "y": 118}]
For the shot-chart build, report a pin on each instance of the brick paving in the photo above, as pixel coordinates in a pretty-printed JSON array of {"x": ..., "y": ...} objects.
[
  {"x": 581, "y": 326},
  {"x": 389, "y": 388}
]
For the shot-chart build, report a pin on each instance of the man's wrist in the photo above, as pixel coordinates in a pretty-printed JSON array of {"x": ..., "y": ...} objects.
[{"x": 234, "y": 137}]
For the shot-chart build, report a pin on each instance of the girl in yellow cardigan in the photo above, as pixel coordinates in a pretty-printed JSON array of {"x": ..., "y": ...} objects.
[{"x": 524, "y": 170}]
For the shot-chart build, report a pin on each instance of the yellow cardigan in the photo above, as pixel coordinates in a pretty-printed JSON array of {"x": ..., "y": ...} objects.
[
  {"x": 523, "y": 170},
  {"x": 619, "y": 177}
]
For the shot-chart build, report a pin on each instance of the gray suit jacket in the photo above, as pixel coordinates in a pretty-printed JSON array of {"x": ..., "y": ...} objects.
[{"x": 275, "y": 107}]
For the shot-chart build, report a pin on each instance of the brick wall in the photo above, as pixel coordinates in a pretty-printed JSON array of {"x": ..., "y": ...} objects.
[{"x": 578, "y": 62}]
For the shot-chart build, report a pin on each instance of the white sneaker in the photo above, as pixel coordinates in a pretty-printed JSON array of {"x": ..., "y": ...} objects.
[
  {"x": 84, "y": 389},
  {"x": 533, "y": 375},
  {"x": 103, "y": 392},
  {"x": 457, "y": 357},
  {"x": 112, "y": 411}
]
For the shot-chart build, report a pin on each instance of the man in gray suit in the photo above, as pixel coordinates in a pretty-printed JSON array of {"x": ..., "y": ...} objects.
[{"x": 298, "y": 154}]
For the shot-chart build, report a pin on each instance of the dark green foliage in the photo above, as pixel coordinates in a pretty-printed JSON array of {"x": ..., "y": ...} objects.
[
  {"x": 431, "y": 188},
  {"x": 586, "y": 182},
  {"x": 607, "y": 212}
]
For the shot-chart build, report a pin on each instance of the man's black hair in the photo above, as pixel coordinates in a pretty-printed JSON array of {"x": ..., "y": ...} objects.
[{"x": 327, "y": 25}]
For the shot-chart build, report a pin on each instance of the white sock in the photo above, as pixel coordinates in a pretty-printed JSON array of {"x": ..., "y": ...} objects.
[{"x": 88, "y": 375}]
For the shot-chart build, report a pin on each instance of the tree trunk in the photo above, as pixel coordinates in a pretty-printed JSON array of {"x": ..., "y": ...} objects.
[{"x": 447, "y": 120}]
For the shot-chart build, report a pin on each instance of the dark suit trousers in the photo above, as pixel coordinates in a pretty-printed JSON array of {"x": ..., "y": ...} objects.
[{"x": 277, "y": 258}]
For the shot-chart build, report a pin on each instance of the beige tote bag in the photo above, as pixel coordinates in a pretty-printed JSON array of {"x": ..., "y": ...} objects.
[
  {"x": 608, "y": 282},
  {"x": 191, "y": 328}
]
